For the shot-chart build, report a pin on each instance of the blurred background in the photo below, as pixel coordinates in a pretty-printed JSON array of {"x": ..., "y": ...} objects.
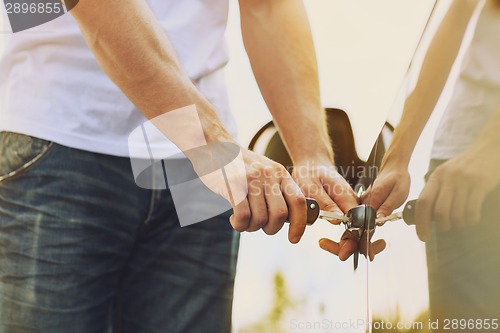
[{"x": 364, "y": 49}]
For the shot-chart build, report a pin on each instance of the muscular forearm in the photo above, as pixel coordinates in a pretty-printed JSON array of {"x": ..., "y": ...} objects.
[
  {"x": 135, "y": 53},
  {"x": 432, "y": 79},
  {"x": 278, "y": 41}
]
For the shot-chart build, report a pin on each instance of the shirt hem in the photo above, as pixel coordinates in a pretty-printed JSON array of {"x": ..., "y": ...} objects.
[{"x": 82, "y": 142}]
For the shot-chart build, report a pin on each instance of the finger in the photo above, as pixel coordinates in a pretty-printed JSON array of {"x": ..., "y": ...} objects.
[
  {"x": 341, "y": 192},
  {"x": 297, "y": 210},
  {"x": 315, "y": 190},
  {"x": 349, "y": 244},
  {"x": 442, "y": 208},
  {"x": 458, "y": 207},
  {"x": 372, "y": 249},
  {"x": 343, "y": 250},
  {"x": 474, "y": 206},
  {"x": 369, "y": 249},
  {"x": 240, "y": 219},
  {"x": 378, "y": 195},
  {"x": 423, "y": 209},
  {"x": 387, "y": 207},
  {"x": 276, "y": 209},
  {"x": 376, "y": 247},
  {"x": 395, "y": 199},
  {"x": 325, "y": 202},
  {"x": 372, "y": 197},
  {"x": 390, "y": 195},
  {"x": 258, "y": 207},
  {"x": 329, "y": 245},
  {"x": 366, "y": 194}
]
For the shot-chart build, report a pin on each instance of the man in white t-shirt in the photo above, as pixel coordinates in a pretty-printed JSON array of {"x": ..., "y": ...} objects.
[
  {"x": 457, "y": 212},
  {"x": 82, "y": 247}
]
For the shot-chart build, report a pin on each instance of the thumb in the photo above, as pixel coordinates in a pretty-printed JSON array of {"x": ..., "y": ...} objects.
[
  {"x": 366, "y": 194},
  {"x": 395, "y": 200},
  {"x": 326, "y": 203},
  {"x": 384, "y": 210}
]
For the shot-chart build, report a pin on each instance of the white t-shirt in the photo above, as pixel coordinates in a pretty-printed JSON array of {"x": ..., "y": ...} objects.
[
  {"x": 51, "y": 86},
  {"x": 476, "y": 95}
]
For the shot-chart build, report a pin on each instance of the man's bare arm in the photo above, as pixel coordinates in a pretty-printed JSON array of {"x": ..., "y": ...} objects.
[
  {"x": 391, "y": 187},
  {"x": 278, "y": 41},
  {"x": 279, "y": 44},
  {"x": 135, "y": 53},
  {"x": 435, "y": 70}
]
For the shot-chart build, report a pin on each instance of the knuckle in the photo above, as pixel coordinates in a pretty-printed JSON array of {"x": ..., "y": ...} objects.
[
  {"x": 259, "y": 221},
  {"x": 271, "y": 231},
  {"x": 281, "y": 214},
  {"x": 331, "y": 188},
  {"x": 438, "y": 173},
  {"x": 423, "y": 201},
  {"x": 452, "y": 173},
  {"x": 330, "y": 207},
  {"x": 240, "y": 227},
  {"x": 482, "y": 183},
  {"x": 280, "y": 169},
  {"x": 268, "y": 171},
  {"x": 244, "y": 215},
  {"x": 377, "y": 191},
  {"x": 440, "y": 215},
  {"x": 300, "y": 200},
  {"x": 253, "y": 175},
  {"x": 384, "y": 209},
  {"x": 433, "y": 182}
]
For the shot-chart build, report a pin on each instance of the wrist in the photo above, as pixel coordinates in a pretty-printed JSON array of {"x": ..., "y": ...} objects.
[
  {"x": 212, "y": 129},
  {"x": 217, "y": 133},
  {"x": 401, "y": 149},
  {"x": 315, "y": 152},
  {"x": 394, "y": 159},
  {"x": 318, "y": 158},
  {"x": 484, "y": 148}
]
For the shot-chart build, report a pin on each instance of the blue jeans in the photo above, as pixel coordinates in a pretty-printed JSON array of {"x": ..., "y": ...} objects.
[{"x": 83, "y": 249}]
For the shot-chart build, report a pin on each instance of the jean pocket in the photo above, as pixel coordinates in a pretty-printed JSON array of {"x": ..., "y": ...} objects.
[{"x": 19, "y": 152}]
